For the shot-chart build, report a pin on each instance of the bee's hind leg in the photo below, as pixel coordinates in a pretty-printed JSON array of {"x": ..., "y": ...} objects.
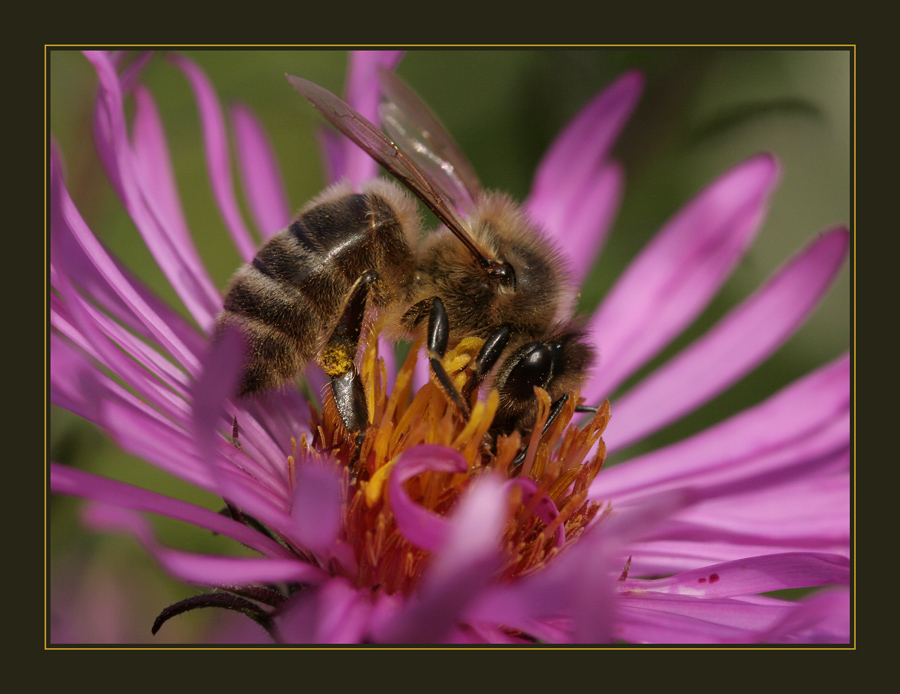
[{"x": 338, "y": 359}]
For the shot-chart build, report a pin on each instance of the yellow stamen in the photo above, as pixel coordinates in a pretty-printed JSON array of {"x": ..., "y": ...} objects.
[
  {"x": 401, "y": 420},
  {"x": 376, "y": 484}
]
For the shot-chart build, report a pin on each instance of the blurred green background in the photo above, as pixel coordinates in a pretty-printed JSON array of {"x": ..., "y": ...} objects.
[{"x": 703, "y": 111}]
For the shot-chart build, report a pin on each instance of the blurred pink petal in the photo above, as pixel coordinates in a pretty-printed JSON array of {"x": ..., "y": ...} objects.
[
  {"x": 316, "y": 506},
  {"x": 207, "y": 570},
  {"x": 218, "y": 161},
  {"x": 678, "y": 272},
  {"x": 259, "y": 173},
  {"x": 737, "y": 343}
]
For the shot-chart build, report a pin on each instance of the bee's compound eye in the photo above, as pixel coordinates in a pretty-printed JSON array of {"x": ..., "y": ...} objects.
[{"x": 533, "y": 367}]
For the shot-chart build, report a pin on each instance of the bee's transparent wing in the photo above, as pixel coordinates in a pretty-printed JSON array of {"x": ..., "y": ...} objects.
[
  {"x": 381, "y": 149},
  {"x": 416, "y": 130}
]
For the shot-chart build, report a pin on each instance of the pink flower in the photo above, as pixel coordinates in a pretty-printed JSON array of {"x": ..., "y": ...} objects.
[{"x": 679, "y": 545}]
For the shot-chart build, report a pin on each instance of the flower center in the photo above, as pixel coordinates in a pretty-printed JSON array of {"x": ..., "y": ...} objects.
[{"x": 548, "y": 485}]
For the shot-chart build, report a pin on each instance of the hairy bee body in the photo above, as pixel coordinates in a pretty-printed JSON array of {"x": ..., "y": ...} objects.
[
  {"x": 487, "y": 272},
  {"x": 287, "y": 301},
  {"x": 536, "y": 309},
  {"x": 474, "y": 303}
]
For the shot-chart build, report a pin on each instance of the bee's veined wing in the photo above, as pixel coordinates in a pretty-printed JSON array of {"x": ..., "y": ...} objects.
[
  {"x": 418, "y": 132},
  {"x": 381, "y": 149}
]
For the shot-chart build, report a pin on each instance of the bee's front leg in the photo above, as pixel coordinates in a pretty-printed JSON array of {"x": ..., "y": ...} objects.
[
  {"x": 438, "y": 335},
  {"x": 487, "y": 357}
]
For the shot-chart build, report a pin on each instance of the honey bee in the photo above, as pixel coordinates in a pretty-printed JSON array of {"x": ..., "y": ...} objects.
[{"x": 487, "y": 271}]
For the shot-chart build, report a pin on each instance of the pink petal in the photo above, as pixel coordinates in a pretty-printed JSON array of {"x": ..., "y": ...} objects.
[
  {"x": 809, "y": 514},
  {"x": 817, "y": 508},
  {"x": 335, "y": 612},
  {"x": 684, "y": 619},
  {"x": 749, "y": 576},
  {"x": 197, "y": 568},
  {"x": 259, "y": 173},
  {"x": 343, "y": 157},
  {"x": 143, "y": 198},
  {"x": 589, "y": 219},
  {"x": 141, "y": 431},
  {"x": 217, "y": 159},
  {"x": 580, "y": 150},
  {"x": 821, "y": 618},
  {"x": 678, "y": 272},
  {"x": 815, "y": 405},
  {"x": 460, "y": 571},
  {"x": 576, "y": 190},
  {"x": 418, "y": 525},
  {"x": 578, "y": 586},
  {"x": 740, "y": 341},
  {"x": 67, "y": 480},
  {"x": 316, "y": 505},
  {"x": 150, "y": 375},
  {"x": 72, "y": 241}
]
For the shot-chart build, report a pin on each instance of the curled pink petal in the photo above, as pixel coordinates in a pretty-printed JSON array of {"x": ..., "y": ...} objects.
[
  {"x": 464, "y": 566},
  {"x": 418, "y": 525},
  {"x": 143, "y": 197},
  {"x": 73, "y": 239}
]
